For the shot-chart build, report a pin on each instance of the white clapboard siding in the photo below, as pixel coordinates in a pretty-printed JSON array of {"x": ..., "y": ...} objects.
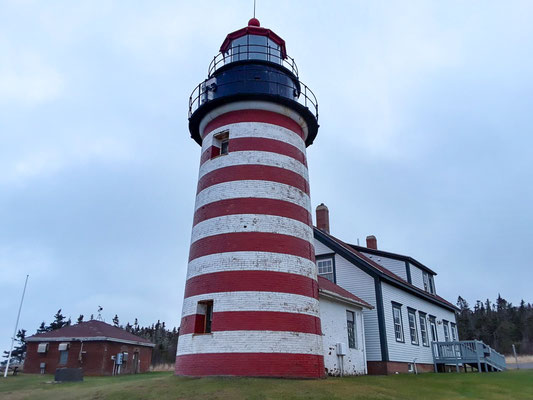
[
  {"x": 395, "y": 266},
  {"x": 406, "y": 352},
  {"x": 362, "y": 285}
]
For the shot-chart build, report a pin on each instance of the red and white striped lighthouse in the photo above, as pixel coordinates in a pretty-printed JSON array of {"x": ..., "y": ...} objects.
[{"x": 251, "y": 297}]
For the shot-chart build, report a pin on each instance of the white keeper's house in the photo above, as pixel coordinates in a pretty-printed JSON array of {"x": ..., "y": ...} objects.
[{"x": 407, "y": 314}]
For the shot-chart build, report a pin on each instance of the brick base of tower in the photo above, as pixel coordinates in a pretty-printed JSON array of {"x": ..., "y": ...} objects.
[{"x": 252, "y": 254}]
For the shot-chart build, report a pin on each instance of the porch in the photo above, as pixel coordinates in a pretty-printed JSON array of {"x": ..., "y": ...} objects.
[{"x": 473, "y": 353}]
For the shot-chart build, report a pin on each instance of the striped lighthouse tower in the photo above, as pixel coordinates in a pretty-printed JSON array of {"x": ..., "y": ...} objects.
[{"x": 251, "y": 296}]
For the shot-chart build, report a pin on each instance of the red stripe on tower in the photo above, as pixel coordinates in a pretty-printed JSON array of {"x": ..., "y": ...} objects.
[
  {"x": 251, "y": 281},
  {"x": 251, "y": 205},
  {"x": 253, "y": 321},
  {"x": 253, "y": 172},
  {"x": 284, "y": 365}
]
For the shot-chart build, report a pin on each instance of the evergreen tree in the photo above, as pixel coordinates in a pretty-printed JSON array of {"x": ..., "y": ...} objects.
[
  {"x": 115, "y": 320},
  {"x": 59, "y": 321},
  {"x": 80, "y": 319}
]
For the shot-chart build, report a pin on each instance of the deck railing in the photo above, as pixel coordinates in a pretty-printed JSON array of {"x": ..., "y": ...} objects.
[{"x": 467, "y": 352}]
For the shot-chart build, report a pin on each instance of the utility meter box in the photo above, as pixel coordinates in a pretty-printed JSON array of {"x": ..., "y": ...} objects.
[
  {"x": 341, "y": 349},
  {"x": 118, "y": 359}
]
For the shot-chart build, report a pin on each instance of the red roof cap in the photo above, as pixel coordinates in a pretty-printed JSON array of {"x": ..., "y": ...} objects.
[
  {"x": 253, "y": 29},
  {"x": 254, "y": 22}
]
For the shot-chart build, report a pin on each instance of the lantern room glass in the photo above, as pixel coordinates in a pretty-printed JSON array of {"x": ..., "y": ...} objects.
[{"x": 255, "y": 47}]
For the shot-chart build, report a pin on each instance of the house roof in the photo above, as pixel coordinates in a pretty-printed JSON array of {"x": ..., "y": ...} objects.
[
  {"x": 326, "y": 287},
  {"x": 92, "y": 330},
  {"x": 355, "y": 254},
  {"x": 394, "y": 256}
]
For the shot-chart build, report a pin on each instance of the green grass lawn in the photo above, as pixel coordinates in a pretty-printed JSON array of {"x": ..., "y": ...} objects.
[{"x": 163, "y": 385}]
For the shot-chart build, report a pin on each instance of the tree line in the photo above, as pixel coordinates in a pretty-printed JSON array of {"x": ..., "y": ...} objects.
[
  {"x": 499, "y": 324},
  {"x": 165, "y": 339}
]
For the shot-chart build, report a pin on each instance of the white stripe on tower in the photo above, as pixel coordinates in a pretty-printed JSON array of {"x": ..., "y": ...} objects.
[
  {"x": 255, "y": 158},
  {"x": 252, "y": 342},
  {"x": 252, "y": 189},
  {"x": 251, "y": 223}
]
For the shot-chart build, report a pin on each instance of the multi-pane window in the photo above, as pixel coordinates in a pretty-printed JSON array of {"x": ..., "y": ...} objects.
[
  {"x": 412, "y": 326},
  {"x": 325, "y": 269},
  {"x": 454, "y": 331},
  {"x": 398, "y": 326},
  {"x": 433, "y": 328},
  {"x": 429, "y": 284},
  {"x": 352, "y": 331},
  {"x": 423, "y": 329},
  {"x": 446, "y": 331}
]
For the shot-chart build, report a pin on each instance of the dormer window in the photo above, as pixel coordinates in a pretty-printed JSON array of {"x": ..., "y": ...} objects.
[{"x": 429, "y": 283}]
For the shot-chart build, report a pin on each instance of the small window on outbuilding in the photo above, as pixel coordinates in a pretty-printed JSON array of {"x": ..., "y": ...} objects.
[
  {"x": 63, "y": 353},
  {"x": 352, "y": 331},
  {"x": 42, "y": 348}
]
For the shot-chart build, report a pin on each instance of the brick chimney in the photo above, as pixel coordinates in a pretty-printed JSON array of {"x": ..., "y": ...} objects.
[
  {"x": 371, "y": 242},
  {"x": 322, "y": 218}
]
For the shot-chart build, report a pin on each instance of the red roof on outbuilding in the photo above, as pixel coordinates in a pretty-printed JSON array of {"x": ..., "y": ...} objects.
[{"x": 90, "y": 329}]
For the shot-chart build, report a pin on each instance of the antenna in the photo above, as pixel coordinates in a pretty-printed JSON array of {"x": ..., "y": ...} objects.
[
  {"x": 254, "y": 8},
  {"x": 99, "y": 317}
]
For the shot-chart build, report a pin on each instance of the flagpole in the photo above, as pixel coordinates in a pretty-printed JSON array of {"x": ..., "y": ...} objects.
[{"x": 16, "y": 327}]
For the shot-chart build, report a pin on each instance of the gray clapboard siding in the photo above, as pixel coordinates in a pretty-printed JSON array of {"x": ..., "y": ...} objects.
[
  {"x": 416, "y": 277},
  {"x": 395, "y": 266},
  {"x": 321, "y": 248},
  {"x": 406, "y": 352}
]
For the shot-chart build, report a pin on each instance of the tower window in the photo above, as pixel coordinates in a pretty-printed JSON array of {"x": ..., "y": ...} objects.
[
  {"x": 224, "y": 147},
  {"x": 204, "y": 317},
  {"x": 220, "y": 144}
]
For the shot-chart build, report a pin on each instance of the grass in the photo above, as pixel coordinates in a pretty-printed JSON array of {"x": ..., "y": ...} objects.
[{"x": 163, "y": 385}]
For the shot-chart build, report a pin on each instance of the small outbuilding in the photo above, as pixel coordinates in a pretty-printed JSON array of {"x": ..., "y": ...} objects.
[
  {"x": 96, "y": 347},
  {"x": 343, "y": 331}
]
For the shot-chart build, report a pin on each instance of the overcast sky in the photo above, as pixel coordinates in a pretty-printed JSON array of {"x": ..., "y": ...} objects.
[{"x": 425, "y": 141}]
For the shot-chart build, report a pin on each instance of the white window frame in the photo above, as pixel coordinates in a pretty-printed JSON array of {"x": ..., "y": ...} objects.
[
  {"x": 398, "y": 322},
  {"x": 329, "y": 273},
  {"x": 453, "y": 327},
  {"x": 446, "y": 327},
  {"x": 354, "y": 325},
  {"x": 423, "y": 329},
  {"x": 413, "y": 330}
]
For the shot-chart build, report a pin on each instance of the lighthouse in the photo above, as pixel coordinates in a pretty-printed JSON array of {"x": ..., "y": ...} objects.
[{"x": 251, "y": 296}]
